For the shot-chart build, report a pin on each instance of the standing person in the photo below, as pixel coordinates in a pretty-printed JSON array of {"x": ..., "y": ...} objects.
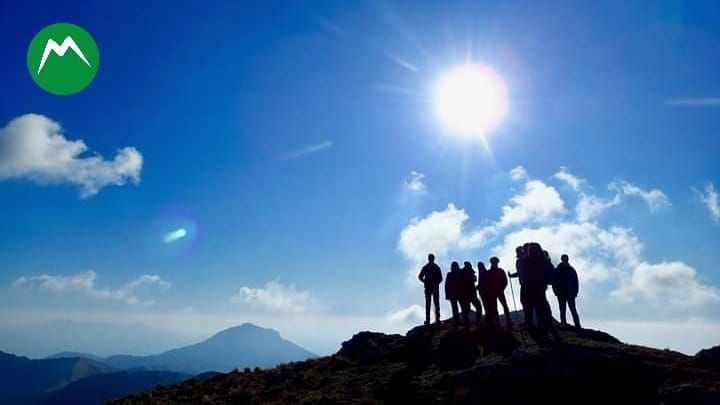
[
  {"x": 536, "y": 280},
  {"x": 482, "y": 287},
  {"x": 452, "y": 285},
  {"x": 566, "y": 288},
  {"x": 470, "y": 279},
  {"x": 521, "y": 274},
  {"x": 497, "y": 282},
  {"x": 466, "y": 290},
  {"x": 431, "y": 277}
]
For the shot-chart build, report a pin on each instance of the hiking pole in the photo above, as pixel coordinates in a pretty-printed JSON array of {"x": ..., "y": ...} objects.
[{"x": 512, "y": 293}]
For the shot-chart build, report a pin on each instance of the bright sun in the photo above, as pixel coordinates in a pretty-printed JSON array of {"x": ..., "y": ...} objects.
[{"x": 471, "y": 100}]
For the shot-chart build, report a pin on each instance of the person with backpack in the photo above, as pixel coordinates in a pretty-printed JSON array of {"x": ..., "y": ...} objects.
[
  {"x": 453, "y": 282},
  {"x": 536, "y": 268},
  {"x": 566, "y": 287},
  {"x": 431, "y": 277},
  {"x": 497, "y": 283},
  {"x": 470, "y": 278}
]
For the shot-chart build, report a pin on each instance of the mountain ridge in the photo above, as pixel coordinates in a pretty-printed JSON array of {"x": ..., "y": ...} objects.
[{"x": 439, "y": 364}]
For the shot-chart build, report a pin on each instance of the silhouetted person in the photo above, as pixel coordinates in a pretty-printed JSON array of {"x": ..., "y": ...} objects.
[
  {"x": 465, "y": 292},
  {"x": 521, "y": 274},
  {"x": 482, "y": 286},
  {"x": 431, "y": 277},
  {"x": 453, "y": 282},
  {"x": 497, "y": 283},
  {"x": 566, "y": 288},
  {"x": 469, "y": 277},
  {"x": 536, "y": 269}
]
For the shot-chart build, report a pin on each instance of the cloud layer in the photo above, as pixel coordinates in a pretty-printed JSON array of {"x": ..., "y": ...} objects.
[
  {"x": 274, "y": 297},
  {"x": 34, "y": 147},
  {"x": 85, "y": 283},
  {"x": 610, "y": 260}
]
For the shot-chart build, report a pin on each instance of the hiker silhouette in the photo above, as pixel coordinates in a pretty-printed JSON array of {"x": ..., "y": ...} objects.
[
  {"x": 521, "y": 275},
  {"x": 497, "y": 282},
  {"x": 566, "y": 288},
  {"x": 469, "y": 279},
  {"x": 453, "y": 283},
  {"x": 431, "y": 277}
]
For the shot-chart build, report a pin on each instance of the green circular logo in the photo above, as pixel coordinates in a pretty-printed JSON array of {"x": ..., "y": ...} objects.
[{"x": 63, "y": 59}]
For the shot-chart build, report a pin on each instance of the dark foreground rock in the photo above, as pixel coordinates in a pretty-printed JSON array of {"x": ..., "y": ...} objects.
[{"x": 441, "y": 364}]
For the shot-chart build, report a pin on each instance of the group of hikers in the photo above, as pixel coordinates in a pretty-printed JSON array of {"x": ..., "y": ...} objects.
[{"x": 535, "y": 272}]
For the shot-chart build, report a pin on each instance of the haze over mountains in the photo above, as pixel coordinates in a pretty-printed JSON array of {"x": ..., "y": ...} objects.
[
  {"x": 246, "y": 345},
  {"x": 442, "y": 364},
  {"x": 65, "y": 376}
]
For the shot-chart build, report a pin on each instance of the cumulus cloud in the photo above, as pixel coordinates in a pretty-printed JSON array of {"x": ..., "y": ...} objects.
[
  {"x": 673, "y": 283},
  {"x": 413, "y": 314},
  {"x": 711, "y": 199},
  {"x": 590, "y": 206},
  {"x": 85, "y": 283},
  {"x": 655, "y": 199},
  {"x": 441, "y": 232},
  {"x": 34, "y": 147},
  {"x": 599, "y": 254},
  {"x": 609, "y": 260},
  {"x": 568, "y": 178},
  {"x": 415, "y": 182},
  {"x": 518, "y": 173},
  {"x": 538, "y": 202},
  {"x": 274, "y": 297}
]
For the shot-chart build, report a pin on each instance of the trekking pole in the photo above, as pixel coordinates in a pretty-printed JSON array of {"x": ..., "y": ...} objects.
[{"x": 512, "y": 293}]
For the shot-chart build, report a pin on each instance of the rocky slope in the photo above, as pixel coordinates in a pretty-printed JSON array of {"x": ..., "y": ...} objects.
[{"x": 441, "y": 364}]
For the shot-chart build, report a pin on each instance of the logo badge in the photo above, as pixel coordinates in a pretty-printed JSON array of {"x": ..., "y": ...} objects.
[{"x": 63, "y": 59}]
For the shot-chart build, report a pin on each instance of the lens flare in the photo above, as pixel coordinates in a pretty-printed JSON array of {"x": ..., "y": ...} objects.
[{"x": 175, "y": 235}]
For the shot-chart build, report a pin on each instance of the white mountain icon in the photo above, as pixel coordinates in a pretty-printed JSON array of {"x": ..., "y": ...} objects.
[{"x": 52, "y": 46}]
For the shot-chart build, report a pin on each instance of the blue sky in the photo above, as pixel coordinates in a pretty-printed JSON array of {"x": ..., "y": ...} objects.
[{"x": 283, "y": 140}]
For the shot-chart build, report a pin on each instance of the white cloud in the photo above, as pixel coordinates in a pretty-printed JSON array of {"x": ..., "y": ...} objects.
[
  {"x": 415, "y": 182},
  {"x": 667, "y": 284},
  {"x": 568, "y": 178},
  {"x": 655, "y": 199},
  {"x": 294, "y": 154},
  {"x": 34, "y": 147},
  {"x": 85, "y": 283},
  {"x": 711, "y": 199},
  {"x": 412, "y": 315},
  {"x": 608, "y": 259},
  {"x": 539, "y": 202},
  {"x": 275, "y": 297},
  {"x": 598, "y": 254},
  {"x": 590, "y": 207},
  {"x": 518, "y": 173},
  {"x": 439, "y": 232}
]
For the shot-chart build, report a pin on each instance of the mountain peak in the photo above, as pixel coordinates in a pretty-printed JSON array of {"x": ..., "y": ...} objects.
[{"x": 446, "y": 364}]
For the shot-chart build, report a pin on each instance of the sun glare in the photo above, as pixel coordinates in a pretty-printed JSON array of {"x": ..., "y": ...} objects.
[{"x": 471, "y": 100}]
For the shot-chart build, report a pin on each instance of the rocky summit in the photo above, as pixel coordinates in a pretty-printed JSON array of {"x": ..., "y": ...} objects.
[{"x": 444, "y": 363}]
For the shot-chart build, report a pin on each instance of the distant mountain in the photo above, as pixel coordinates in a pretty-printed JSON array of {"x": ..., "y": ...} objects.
[
  {"x": 100, "y": 388},
  {"x": 443, "y": 364},
  {"x": 242, "y": 346},
  {"x": 23, "y": 379},
  {"x": 65, "y": 355}
]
